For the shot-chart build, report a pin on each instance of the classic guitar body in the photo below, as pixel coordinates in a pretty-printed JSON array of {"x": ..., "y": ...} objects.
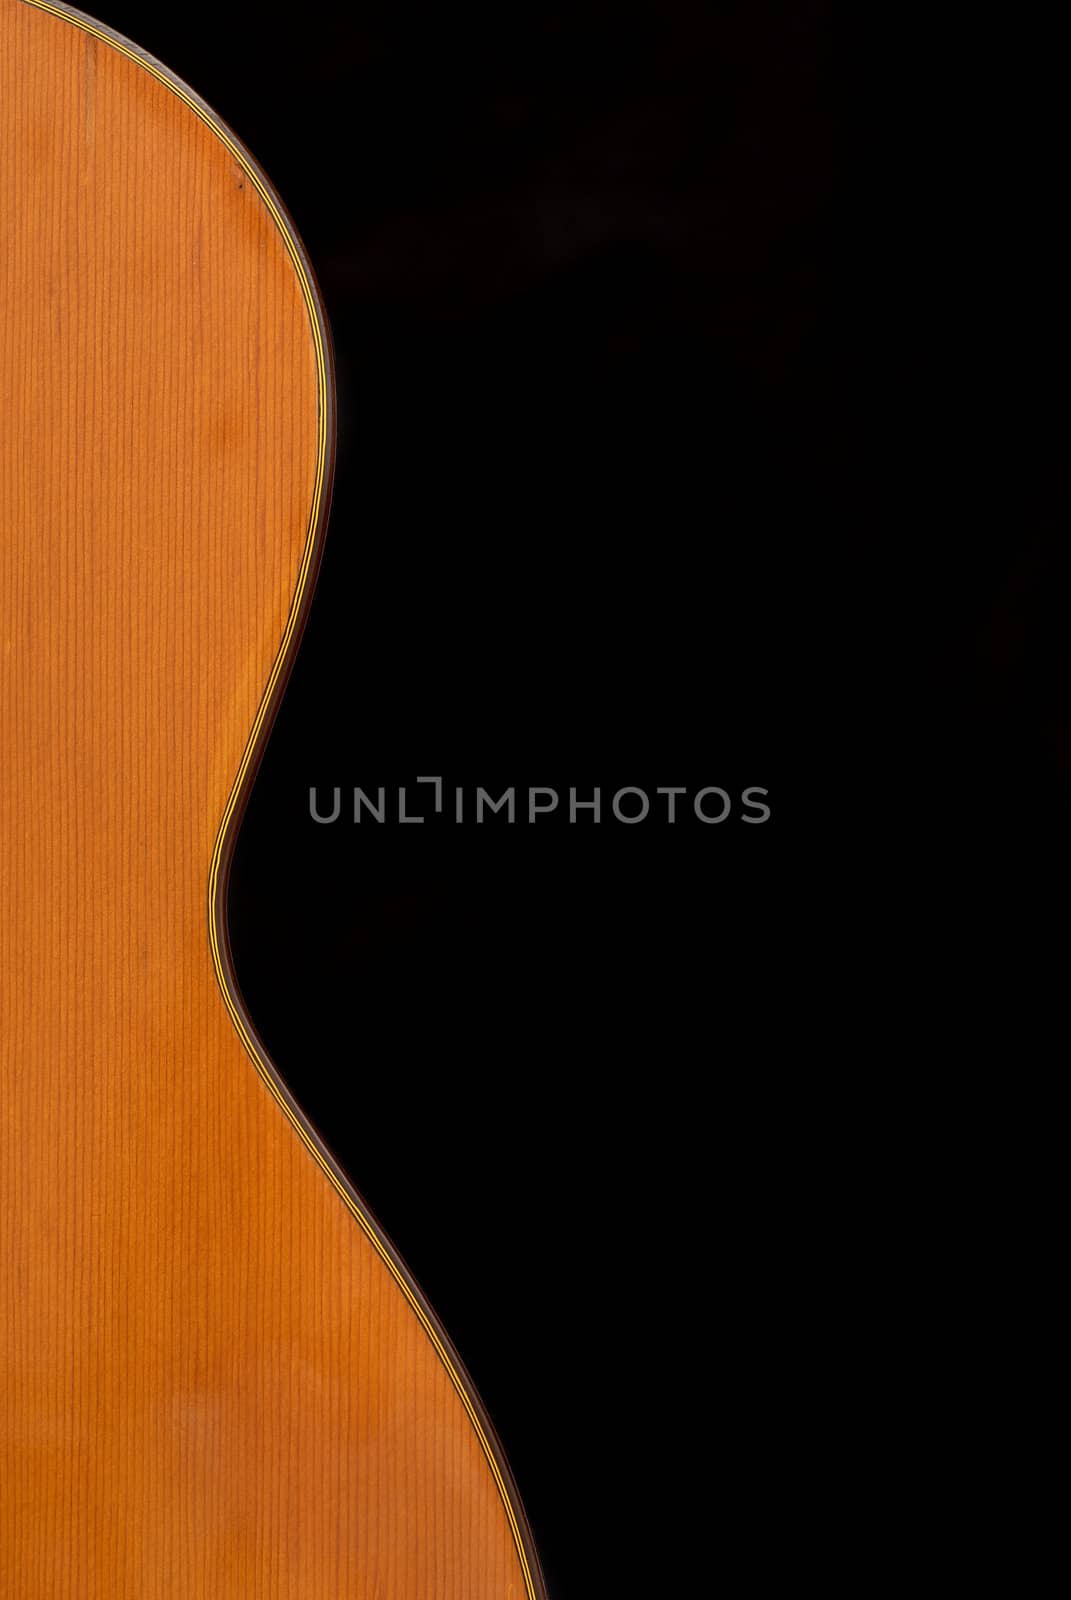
[{"x": 216, "y": 1380}]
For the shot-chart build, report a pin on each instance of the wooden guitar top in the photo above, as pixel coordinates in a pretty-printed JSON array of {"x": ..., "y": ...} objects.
[{"x": 216, "y": 1378}]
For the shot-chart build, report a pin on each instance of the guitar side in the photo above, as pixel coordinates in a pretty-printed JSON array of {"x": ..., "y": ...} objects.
[{"x": 216, "y": 1377}]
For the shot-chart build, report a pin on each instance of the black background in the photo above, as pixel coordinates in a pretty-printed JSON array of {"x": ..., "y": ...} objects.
[{"x": 573, "y": 258}]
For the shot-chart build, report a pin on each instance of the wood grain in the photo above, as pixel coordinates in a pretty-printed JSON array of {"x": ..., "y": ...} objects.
[{"x": 212, "y": 1380}]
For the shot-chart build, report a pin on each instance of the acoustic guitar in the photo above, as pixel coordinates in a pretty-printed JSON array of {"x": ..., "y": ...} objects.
[{"x": 217, "y": 1378}]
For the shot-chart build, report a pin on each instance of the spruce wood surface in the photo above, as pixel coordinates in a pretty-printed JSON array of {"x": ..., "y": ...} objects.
[{"x": 213, "y": 1379}]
